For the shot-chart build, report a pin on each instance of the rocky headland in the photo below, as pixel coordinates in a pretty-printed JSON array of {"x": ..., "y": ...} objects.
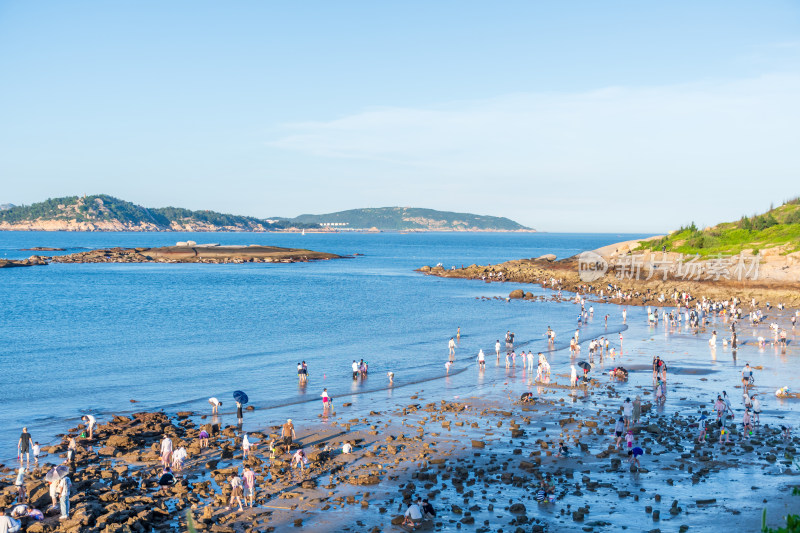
[{"x": 768, "y": 276}]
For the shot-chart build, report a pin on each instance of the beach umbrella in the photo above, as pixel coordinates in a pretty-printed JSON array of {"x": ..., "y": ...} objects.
[
  {"x": 240, "y": 397},
  {"x": 56, "y": 473},
  {"x": 584, "y": 365}
]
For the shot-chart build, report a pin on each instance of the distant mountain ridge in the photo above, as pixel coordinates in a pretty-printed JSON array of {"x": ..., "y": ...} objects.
[
  {"x": 102, "y": 212},
  {"x": 106, "y": 213},
  {"x": 412, "y": 218}
]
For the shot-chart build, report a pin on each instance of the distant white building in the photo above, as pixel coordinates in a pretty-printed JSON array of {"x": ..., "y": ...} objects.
[{"x": 334, "y": 224}]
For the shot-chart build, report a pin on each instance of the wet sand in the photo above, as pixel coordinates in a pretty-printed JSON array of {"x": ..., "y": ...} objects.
[{"x": 474, "y": 451}]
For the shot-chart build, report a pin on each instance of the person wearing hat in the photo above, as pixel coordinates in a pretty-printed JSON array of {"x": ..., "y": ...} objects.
[
  {"x": 701, "y": 425},
  {"x": 288, "y": 434},
  {"x": 627, "y": 412}
]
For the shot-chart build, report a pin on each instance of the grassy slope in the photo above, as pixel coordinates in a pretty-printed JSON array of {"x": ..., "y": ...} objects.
[{"x": 776, "y": 227}]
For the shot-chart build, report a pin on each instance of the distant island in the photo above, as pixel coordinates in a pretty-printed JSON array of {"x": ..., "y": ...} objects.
[
  {"x": 411, "y": 219},
  {"x": 106, "y": 213}
]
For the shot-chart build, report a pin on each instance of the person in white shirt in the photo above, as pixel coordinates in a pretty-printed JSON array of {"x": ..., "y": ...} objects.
[
  {"x": 347, "y": 448},
  {"x": 8, "y": 524},
  {"x": 355, "y": 370},
  {"x": 90, "y": 422},
  {"x": 215, "y": 403},
  {"x": 166, "y": 451},
  {"x": 413, "y": 515}
]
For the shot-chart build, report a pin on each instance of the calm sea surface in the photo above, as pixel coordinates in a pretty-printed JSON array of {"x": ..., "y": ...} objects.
[{"x": 89, "y": 338}]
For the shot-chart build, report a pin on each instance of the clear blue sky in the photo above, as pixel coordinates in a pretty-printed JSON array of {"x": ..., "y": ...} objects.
[{"x": 565, "y": 116}]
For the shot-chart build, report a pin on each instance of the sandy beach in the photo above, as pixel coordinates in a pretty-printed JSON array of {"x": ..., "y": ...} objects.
[{"x": 478, "y": 456}]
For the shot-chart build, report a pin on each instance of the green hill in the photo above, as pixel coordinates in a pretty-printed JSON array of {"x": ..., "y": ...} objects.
[
  {"x": 778, "y": 227},
  {"x": 101, "y": 208},
  {"x": 412, "y": 218}
]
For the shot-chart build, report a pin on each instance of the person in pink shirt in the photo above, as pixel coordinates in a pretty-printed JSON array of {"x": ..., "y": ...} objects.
[{"x": 249, "y": 479}]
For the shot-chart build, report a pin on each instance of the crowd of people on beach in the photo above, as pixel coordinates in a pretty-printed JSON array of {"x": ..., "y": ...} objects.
[{"x": 694, "y": 314}]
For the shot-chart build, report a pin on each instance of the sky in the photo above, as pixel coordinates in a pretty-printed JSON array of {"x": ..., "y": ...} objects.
[{"x": 564, "y": 116}]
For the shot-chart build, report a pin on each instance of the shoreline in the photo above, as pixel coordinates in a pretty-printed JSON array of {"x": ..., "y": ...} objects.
[
  {"x": 437, "y": 446},
  {"x": 566, "y": 275}
]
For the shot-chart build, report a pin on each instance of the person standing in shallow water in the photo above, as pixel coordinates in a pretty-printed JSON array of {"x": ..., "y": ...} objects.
[
  {"x": 24, "y": 446},
  {"x": 452, "y": 346}
]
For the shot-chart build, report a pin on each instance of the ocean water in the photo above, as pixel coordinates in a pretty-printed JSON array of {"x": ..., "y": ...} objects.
[{"x": 88, "y": 338}]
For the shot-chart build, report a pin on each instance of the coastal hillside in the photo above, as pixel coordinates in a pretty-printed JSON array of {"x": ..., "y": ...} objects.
[
  {"x": 776, "y": 232},
  {"x": 410, "y": 219},
  {"x": 106, "y": 213}
]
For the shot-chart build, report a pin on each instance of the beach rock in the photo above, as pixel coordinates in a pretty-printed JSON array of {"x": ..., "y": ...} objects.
[
  {"x": 478, "y": 444},
  {"x": 516, "y": 294}
]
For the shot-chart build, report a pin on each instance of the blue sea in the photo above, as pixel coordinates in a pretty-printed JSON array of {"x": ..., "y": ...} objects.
[{"x": 88, "y": 338}]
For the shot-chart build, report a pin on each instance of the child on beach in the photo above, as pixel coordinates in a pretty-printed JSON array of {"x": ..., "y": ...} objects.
[
  {"x": 36, "y": 451},
  {"x": 629, "y": 439},
  {"x": 299, "y": 459},
  {"x": 619, "y": 428},
  {"x": 562, "y": 449},
  {"x": 746, "y": 424},
  {"x": 634, "y": 456},
  {"x": 447, "y": 366},
  {"x": 236, "y": 493},
  {"x": 203, "y": 438},
  {"x": 701, "y": 425},
  {"x": 724, "y": 432},
  {"x": 245, "y": 446}
]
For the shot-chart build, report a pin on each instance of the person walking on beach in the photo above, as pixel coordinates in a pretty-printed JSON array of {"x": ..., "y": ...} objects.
[
  {"x": 619, "y": 430},
  {"x": 458, "y": 334},
  {"x": 90, "y": 422},
  {"x": 747, "y": 377},
  {"x": 481, "y": 360},
  {"x": 288, "y": 434},
  {"x": 627, "y": 412},
  {"x": 637, "y": 409},
  {"x": 355, "y": 369},
  {"x": 249, "y": 482},
  {"x": 166, "y": 451},
  {"x": 756, "y": 408},
  {"x": 239, "y": 414},
  {"x": 573, "y": 378},
  {"x": 215, "y": 403},
  {"x": 497, "y": 349},
  {"x": 325, "y": 399},
  {"x": 452, "y": 346},
  {"x": 390, "y": 374},
  {"x": 24, "y": 446},
  {"x": 236, "y": 493},
  {"x": 63, "y": 489}
]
